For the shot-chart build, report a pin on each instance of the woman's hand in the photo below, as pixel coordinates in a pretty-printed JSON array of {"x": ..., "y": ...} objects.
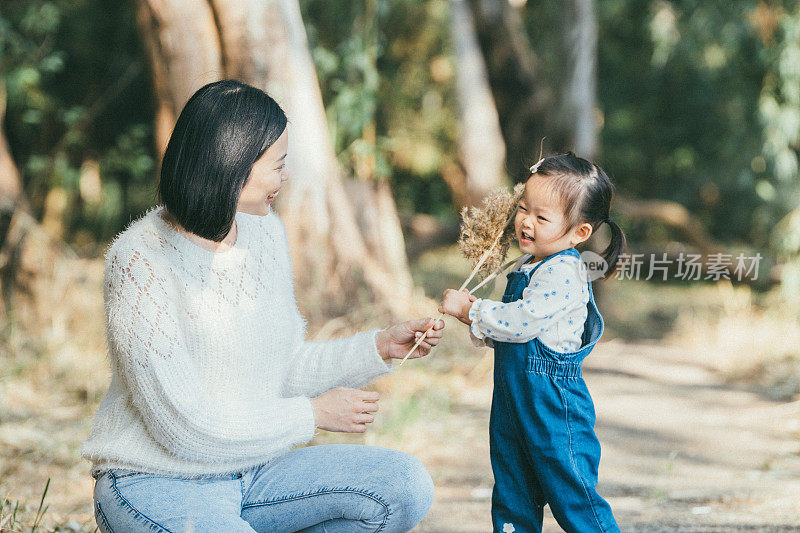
[
  {"x": 343, "y": 409},
  {"x": 457, "y": 304},
  {"x": 395, "y": 342}
]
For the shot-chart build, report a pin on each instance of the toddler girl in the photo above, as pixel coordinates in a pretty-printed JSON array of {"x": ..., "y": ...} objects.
[{"x": 542, "y": 442}]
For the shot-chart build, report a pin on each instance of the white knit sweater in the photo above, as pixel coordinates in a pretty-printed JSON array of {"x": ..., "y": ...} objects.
[{"x": 210, "y": 371}]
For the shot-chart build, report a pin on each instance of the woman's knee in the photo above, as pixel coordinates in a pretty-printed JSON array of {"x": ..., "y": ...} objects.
[{"x": 410, "y": 493}]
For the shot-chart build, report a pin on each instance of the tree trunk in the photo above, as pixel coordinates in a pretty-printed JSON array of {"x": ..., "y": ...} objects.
[
  {"x": 263, "y": 43},
  {"x": 577, "y": 117},
  {"x": 482, "y": 148},
  {"x": 28, "y": 253},
  {"x": 376, "y": 216},
  {"x": 182, "y": 41},
  {"x": 12, "y": 201},
  {"x": 10, "y": 180},
  {"x": 523, "y": 100}
]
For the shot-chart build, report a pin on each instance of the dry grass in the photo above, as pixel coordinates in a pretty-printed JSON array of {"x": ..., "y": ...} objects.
[
  {"x": 53, "y": 374},
  {"x": 754, "y": 339},
  {"x": 488, "y": 229}
]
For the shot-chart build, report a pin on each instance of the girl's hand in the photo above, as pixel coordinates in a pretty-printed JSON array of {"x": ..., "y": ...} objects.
[
  {"x": 346, "y": 410},
  {"x": 457, "y": 304},
  {"x": 395, "y": 342}
]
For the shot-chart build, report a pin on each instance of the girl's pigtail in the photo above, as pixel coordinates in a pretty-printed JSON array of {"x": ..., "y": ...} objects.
[{"x": 615, "y": 248}]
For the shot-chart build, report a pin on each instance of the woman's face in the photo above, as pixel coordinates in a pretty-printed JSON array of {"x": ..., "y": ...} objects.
[{"x": 266, "y": 179}]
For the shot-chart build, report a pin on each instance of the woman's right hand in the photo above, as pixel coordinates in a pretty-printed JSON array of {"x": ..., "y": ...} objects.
[{"x": 343, "y": 409}]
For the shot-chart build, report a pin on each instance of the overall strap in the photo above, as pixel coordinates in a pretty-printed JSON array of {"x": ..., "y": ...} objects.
[{"x": 569, "y": 251}]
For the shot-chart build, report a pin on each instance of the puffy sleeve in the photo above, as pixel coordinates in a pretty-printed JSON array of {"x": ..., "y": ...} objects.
[
  {"x": 554, "y": 290},
  {"x": 480, "y": 343},
  {"x": 148, "y": 347}
]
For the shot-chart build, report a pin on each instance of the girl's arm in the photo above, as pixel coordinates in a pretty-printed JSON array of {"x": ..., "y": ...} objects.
[
  {"x": 148, "y": 347},
  {"x": 554, "y": 290}
]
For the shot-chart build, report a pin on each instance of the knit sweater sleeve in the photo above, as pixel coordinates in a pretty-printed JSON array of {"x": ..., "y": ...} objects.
[
  {"x": 148, "y": 347},
  {"x": 317, "y": 367}
]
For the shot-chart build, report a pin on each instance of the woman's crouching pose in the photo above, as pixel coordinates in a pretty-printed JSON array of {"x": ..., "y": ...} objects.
[{"x": 212, "y": 381}]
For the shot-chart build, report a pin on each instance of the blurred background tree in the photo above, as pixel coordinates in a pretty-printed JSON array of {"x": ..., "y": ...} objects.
[
  {"x": 78, "y": 101},
  {"x": 696, "y": 104}
]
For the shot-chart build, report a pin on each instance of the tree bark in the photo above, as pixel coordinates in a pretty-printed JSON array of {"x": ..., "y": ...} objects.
[
  {"x": 27, "y": 251},
  {"x": 11, "y": 193},
  {"x": 12, "y": 200},
  {"x": 263, "y": 43},
  {"x": 577, "y": 117},
  {"x": 184, "y": 50},
  {"x": 482, "y": 148},
  {"x": 524, "y": 102}
]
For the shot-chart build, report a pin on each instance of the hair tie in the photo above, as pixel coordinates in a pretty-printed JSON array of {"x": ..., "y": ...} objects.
[{"x": 535, "y": 167}]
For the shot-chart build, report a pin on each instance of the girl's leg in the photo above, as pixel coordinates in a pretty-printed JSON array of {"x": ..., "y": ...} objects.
[
  {"x": 338, "y": 487},
  {"x": 126, "y": 501},
  {"x": 560, "y": 433},
  {"x": 517, "y": 499}
]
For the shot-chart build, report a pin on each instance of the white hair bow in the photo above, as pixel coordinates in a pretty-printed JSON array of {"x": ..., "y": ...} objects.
[{"x": 535, "y": 167}]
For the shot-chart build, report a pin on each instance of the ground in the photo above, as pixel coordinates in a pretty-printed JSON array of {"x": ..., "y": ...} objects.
[
  {"x": 685, "y": 446},
  {"x": 682, "y": 450}
]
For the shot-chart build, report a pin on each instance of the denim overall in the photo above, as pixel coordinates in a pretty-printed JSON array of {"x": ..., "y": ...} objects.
[{"x": 542, "y": 441}]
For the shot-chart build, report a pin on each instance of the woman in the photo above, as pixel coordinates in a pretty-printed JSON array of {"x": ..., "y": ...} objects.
[{"x": 212, "y": 381}]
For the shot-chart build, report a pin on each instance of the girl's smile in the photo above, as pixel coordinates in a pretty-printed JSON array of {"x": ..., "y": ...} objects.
[
  {"x": 525, "y": 239},
  {"x": 540, "y": 221}
]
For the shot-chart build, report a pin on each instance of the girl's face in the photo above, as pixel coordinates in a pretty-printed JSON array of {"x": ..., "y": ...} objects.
[
  {"x": 540, "y": 222},
  {"x": 266, "y": 179}
]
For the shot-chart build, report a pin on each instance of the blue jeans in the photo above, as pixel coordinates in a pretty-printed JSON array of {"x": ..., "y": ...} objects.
[{"x": 330, "y": 488}]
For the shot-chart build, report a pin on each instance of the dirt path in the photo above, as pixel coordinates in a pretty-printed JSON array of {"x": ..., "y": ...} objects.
[{"x": 682, "y": 451}]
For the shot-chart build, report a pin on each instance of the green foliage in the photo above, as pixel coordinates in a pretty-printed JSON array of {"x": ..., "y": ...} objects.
[
  {"x": 699, "y": 103},
  {"x": 681, "y": 120},
  {"x": 692, "y": 101},
  {"x": 386, "y": 82},
  {"x": 779, "y": 107},
  {"x": 77, "y": 92},
  {"x": 346, "y": 50}
]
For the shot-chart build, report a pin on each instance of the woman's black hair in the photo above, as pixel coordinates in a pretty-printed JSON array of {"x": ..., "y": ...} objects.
[
  {"x": 585, "y": 192},
  {"x": 221, "y": 131}
]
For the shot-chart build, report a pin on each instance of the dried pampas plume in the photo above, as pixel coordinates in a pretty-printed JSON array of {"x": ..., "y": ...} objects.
[
  {"x": 481, "y": 225},
  {"x": 486, "y": 234}
]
